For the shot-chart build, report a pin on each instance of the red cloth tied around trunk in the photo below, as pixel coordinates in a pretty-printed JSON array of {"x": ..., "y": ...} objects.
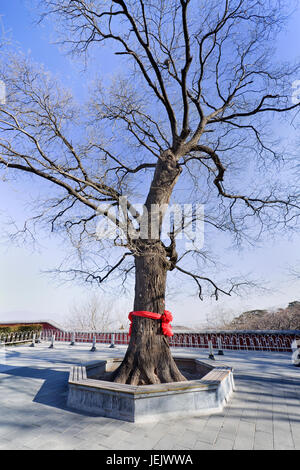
[{"x": 165, "y": 318}]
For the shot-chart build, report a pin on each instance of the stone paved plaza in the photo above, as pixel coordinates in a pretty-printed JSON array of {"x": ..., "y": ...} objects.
[{"x": 263, "y": 413}]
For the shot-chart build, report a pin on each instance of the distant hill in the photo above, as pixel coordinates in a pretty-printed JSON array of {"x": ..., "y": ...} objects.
[
  {"x": 282, "y": 319},
  {"x": 182, "y": 328}
]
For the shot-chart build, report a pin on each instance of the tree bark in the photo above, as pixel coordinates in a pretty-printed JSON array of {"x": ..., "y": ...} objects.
[{"x": 148, "y": 359}]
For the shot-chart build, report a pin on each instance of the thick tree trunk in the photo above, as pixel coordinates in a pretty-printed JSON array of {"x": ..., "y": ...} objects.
[{"x": 148, "y": 359}]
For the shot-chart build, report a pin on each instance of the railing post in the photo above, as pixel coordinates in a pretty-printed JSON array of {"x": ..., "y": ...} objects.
[
  {"x": 93, "y": 348},
  {"x": 32, "y": 345},
  {"x": 295, "y": 347},
  {"x": 39, "y": 337},
  {"x": 220, "y": 350},
  {"x": 112, "y": 340},
  {"x": 211, "y": 352},
  {"x": 72, "y": 339},
  {"x": 52, "y": 341}
]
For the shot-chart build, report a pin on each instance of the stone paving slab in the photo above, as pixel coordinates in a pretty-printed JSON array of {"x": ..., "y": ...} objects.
[{"x": 262, "y": 414}]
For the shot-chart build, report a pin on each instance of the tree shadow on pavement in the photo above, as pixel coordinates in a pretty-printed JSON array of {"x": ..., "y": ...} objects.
[{"x": 54, "y": 389}]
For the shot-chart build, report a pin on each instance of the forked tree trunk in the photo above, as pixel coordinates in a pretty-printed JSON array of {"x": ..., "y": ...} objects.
[{"x": 148, "y": 359}]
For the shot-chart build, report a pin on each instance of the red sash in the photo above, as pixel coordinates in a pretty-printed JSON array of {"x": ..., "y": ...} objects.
[{"x": 165, "y": 318}]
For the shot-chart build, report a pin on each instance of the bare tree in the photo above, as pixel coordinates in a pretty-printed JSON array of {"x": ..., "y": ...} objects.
[
  {"x": 196, "y": 103},
  {"x": 94, "y": 313},
  {"x": 219, "y": 319}
]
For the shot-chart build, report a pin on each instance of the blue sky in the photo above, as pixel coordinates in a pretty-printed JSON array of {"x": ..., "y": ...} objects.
[{"x": 24, "y": 289}]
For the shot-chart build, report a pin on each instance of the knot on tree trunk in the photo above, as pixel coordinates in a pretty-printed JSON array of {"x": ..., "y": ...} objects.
[{"x": 170, "y": 164}]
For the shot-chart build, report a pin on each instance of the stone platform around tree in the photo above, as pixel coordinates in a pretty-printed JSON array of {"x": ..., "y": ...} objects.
[
  {"x": 263, "y": 412},
  {"x": 207, "y": 393}
]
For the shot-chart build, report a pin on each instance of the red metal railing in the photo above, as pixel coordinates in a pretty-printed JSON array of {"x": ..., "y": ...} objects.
[{"x": 260, "y": 340}]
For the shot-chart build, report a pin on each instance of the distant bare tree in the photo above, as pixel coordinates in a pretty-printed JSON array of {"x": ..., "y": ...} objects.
[
  {"x": 95, "y": 313},
  {"x": 219, "y": 318},
  {"x": 195, "y": 104}
]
